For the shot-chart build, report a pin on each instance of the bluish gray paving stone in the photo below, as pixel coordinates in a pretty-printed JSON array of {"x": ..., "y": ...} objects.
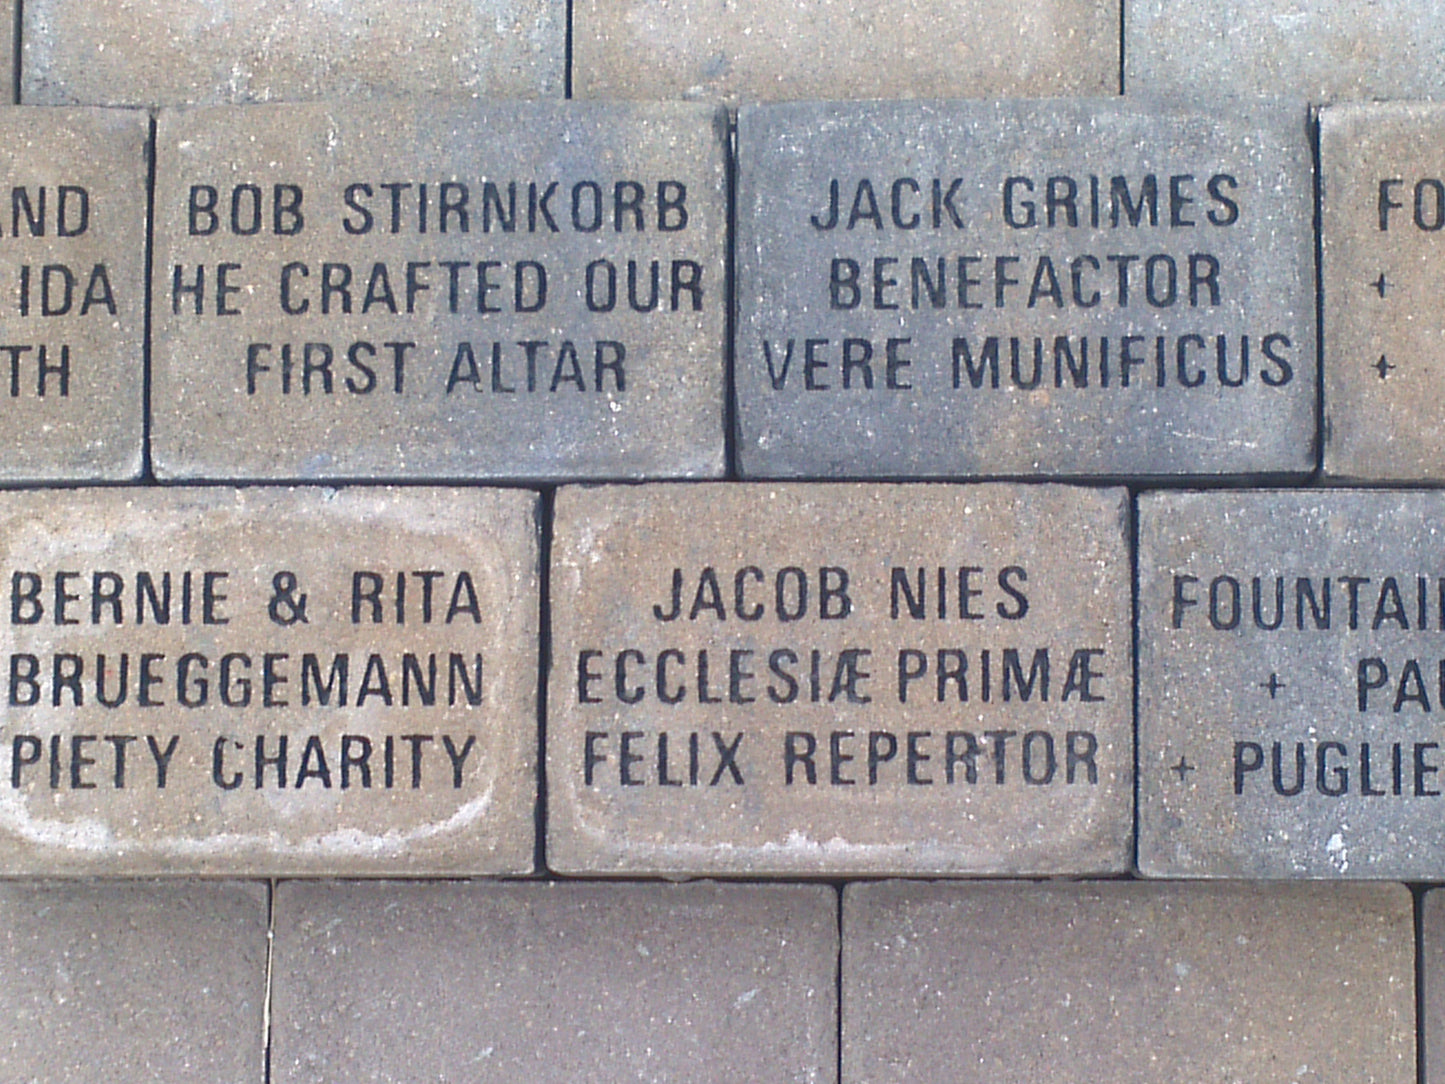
[
  {"x": 1296, "y": 734},
  {"x": 174, "y": 52},
  {"x": 1326, "y": 50},
  {"x": 757, "y": 50},
  {"x": 1383, "y": 203},
  {"x": 392, "y": 984},
  {"x": 268, "y": 681},
  {"x": 132, "y": 981},
  {"x": 1136, "y": 983},
  {"x": 72, "y": 293},
  {"x": 872, "y": 328},
  {"x": 347, "y": 337},
  {"x": 755, "y": 679}
]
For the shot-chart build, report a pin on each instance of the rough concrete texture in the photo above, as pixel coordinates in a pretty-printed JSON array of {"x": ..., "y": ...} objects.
[
  {"x": 1323, "y": 50},
  {"x": 827, "y": 680},
  {"x": 1288, "y": 685},
  {"x": 72, "y": 279},
  {"x": 235, "y": 681},
  {"x": 132, "y": 981},
  {"x": 390, "y": 984},
  {"x": 1141, "y": 984},
  {"x": 756, "y": 50},
  {"x": 1382, "y": 259},
  {"x": 496, "y": 290},
  {"x": 1024, "y": 289},
  {"x": 177, "y": 52}
]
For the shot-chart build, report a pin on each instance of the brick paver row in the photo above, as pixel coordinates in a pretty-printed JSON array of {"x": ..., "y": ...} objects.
[
  {"x": 708, "y": 982},
  {"x": 1126, "y": 293}
]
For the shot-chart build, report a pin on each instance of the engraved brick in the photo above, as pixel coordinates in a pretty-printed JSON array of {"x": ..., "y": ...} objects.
[
  {"x": 812, "y": 679},
  {"x": 494, "y": 290},
  {"x": 175, "y": 52},
  {"x": 551, "y": 982},
  {"x": 1024, "y": 289},
  {"x": 268, "y": 681},
  {"x": 1326, "y": 50},
  {"x": 1382, "y": 258},
  {"x": 757, "y": 50},
  {"x": 132, "y": 981},
  {"x": 1142, "y": 984},
  {"x": 72, "y": 293},
  {"x": 1290, "y": 680}
]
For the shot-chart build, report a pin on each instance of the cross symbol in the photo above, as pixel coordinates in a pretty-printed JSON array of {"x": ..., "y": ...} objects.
[
  {"x": 1182, "y": 768},
  {"x": 1274, "y": 685},
  {"x": 1380, "y": 284},
  {"x": 1382, "y": 367}
]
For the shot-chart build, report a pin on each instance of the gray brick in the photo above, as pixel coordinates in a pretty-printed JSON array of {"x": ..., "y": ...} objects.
[
  {"x": 386, "y": 984},
  {"x": 909, "y": 304},
  {"x": 591, "y": 234},
  {"x": 175, "y": 52},
  {"x": 72, "y": 281},
  {"x": 1135, "y": 983},
  {"x": 1381, "y": 164},
  {"x": 132, "y": 981},
  {"x": 1290, "y": 735}
]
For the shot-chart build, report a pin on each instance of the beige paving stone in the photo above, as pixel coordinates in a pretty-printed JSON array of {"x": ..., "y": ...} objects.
[
  {"x": 177, "y": 52},
  {"x": 164, "y": 983},
  {"x": 1024, "y": 289},
  {"x": 1135, "y": 983},
  {"x": 268, "y": 681},
  {"x": 1382, "y": 259},
  {"x": 758, "y": 50},
  {"x": 503, "y": 290},
  {"x": 9, "y": 84},
  {"x": 1432, "y": 972},
  {"x": 1289, "y": 684},
  {"x": 72, "y": 293},
  {"x": 702, "y": 983},
  {"x": 839, "y": 679},
  {"x": 1323, "y": 50}
]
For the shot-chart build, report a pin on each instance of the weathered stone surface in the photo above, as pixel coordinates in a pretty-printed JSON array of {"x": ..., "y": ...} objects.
[
  {"x": 175, "y": 52},
  {"x": 72, "y": 293},
  {"x": 1136, "y": 983},
  {"x": 756, "y": 679},
  {"x": 1382, "y": 260},
  {"x": 1295, "y": 734},
  {"x": 872, "y": 327},
  {"x": 9, "y": 82},
  {"x": 1432, "y": 974},
  {"x": 753, "y": 50},
  {"x": 1324, "y": 50},
  {"x": 603, "y": 202},
  {"x": 132, "y": 981},
  {"x": 554, "y": 982},
  {"x": 289, "y": 625}
]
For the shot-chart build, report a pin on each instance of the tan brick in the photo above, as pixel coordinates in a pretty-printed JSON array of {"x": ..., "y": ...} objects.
[
  {"x": 268, "y": 681},
  {"x": 816, "y": 679},
  {"x": 757, "y": 50}
]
